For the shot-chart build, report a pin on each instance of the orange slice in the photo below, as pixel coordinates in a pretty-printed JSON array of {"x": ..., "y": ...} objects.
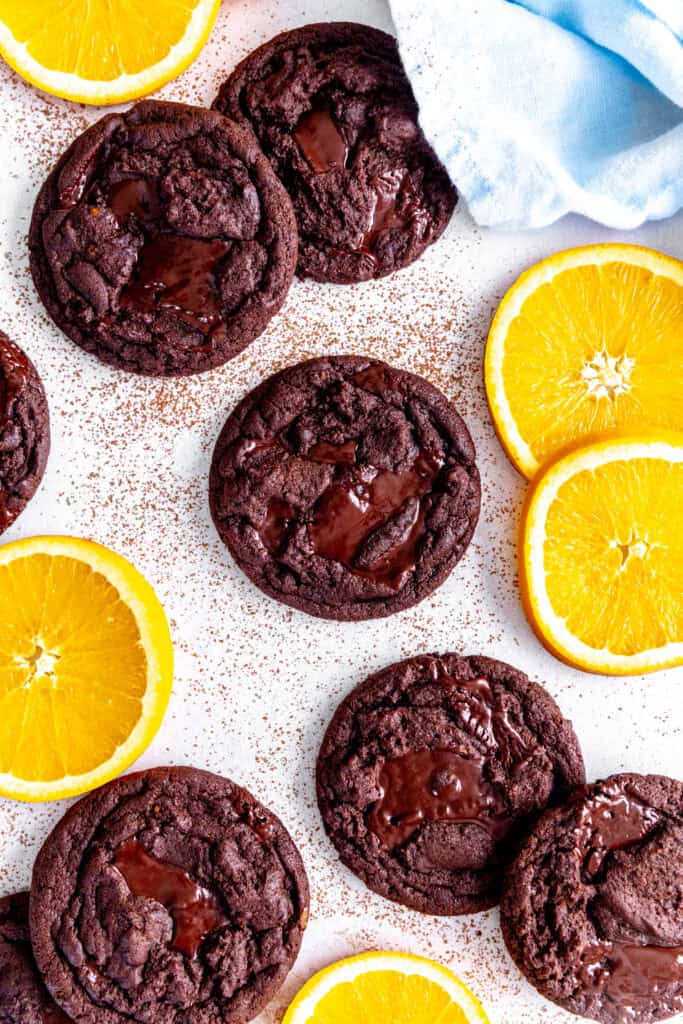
[
  {"x": 103, "y": 51},
  {"x": 588, "y": 341},
  {"x": 86, "y": 666},
  {"x": 601, "y": 555},
  {"x": 385, "y": 988}
]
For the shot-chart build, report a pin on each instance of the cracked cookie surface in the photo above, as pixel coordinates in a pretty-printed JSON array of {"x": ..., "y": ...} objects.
[
  {"x": 431, "y": 768},
  {"x": 162, "y": 241},
  {"x": 592, "y": 909},
  {"x": 169, "y": 896},
  {"x": 345, "y": 487},
  {"x": 23, "y": 996},
  {"x": 24, "y": 431},
  {"x": 334, "y": 111}
]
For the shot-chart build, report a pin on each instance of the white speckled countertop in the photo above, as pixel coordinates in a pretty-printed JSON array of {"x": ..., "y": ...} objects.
[{"x": 256, "y": 682}]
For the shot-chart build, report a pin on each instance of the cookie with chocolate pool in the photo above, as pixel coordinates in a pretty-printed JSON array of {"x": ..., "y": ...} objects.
[
  {"x": 167, "y": 896},
  {"x": 345, "y": 487},
  {"x": 430, "y": 771},
  {"x": 162, "y": 241},
  {"x": 335, "y": 114},
  {"x": 592, "y": 909}
]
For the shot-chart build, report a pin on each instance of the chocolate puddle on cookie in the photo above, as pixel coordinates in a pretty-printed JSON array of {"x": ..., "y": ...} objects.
[
  {"x": 195, "y": 910},
  {"x": 385, "y": 214},
  {"x": 431, "y": 786},
  {"x": 172, "y": 272},
  {"x": 177, "y": 273},
  {"x": 628, "y": 975},
  {"x": 370, "y": 520},
  {"x": 321, "y": 142}
]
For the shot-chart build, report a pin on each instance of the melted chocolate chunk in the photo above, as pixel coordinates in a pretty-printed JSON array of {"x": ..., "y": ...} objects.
[
  {"x": 321, "y": 142},
  {"x": 632, "y": 978},
  {"x": 612, "y": 820},
  {"x": 356, "y": 494},
  {"x": 604, "y": 869},
  {"x": 334, "y": 112},
  {"x": 435, "y": 785},
  {"x": 334, "y": 454},
  {"x": 347, "y": 514},
  {"x": 162, "y": 241},
  {"x": 386, "y": 212},
  {"x": 276, "y": 526},
  {"x": 489, "y": 720},
  {"x": 135, "y": 197},
  {"x": 195, "y": 911},
  {"x": 171, "y": 272},
  {"x": 430, "y": 769},
  {"x": 178, "y": 274}
]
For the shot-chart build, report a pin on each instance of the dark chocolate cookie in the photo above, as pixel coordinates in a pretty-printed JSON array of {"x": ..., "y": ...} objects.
[
  {"x": 430, "y": 770},
  {"x": 162, "y": 241},
  {"x": 333, "y": 109},
  {"x": 592, "y": 908},
  {"x": 24, "y": 431},
  {"x": 23, "y": 997},
  {"x": 167, "y": 897},
  {"x": 345, "y": 487}
]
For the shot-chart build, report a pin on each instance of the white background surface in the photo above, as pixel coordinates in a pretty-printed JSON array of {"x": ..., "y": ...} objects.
[{"x": 255, "y": 682}]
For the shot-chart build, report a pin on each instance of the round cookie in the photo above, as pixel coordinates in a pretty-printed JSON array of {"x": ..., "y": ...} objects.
[
  {"x": 162, "y": 241},
  {"x": 345, "y": 487},
  {"x": 592, "y": 908},
  {"x": 23, "y": 996},
  {"x": 24, "y": 431},
  {"x": 167, "y": 897},
  {"x": 430, "y": 770},
  {"x": 334, "y": 111}
]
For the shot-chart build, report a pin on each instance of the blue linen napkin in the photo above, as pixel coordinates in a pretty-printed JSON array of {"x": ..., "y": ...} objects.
[{"x": 542, "y": 107}]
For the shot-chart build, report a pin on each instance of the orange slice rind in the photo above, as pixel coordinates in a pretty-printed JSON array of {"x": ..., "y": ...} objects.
[
  {"x": 386, "y": 988},
  {"x": 601, "y": 555},
  {"x": 86, "y": 666},
  {"x": 586, "y": 342},
  {"x": 103, "y": 51}
]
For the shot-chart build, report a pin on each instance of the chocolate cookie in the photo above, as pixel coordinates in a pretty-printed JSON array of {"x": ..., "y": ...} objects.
[
  {"x": 162, "y": 241},
  {"x": 345, "y": 487},
  {"x": 167, "y": 897},
  {"x": 23, "y": 997},
  {"x": 430, "y": 769},
  {"x": 592, "y": 908},
  {"x": 24, "y": 431},
  {"x": 335, "y": 114}
]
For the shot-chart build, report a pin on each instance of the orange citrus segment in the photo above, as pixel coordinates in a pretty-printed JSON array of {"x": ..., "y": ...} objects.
[
  {"x": 385, "y": 988},
  {"x": 103, "y": 51},
  {"x": 602, "y": 555},
  {"x": 85, "y": 666},
  {"x": 586, "y": 342}
]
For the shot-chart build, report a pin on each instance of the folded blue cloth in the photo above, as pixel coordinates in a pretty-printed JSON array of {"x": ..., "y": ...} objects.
[{"x": 542, "y": 107}]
